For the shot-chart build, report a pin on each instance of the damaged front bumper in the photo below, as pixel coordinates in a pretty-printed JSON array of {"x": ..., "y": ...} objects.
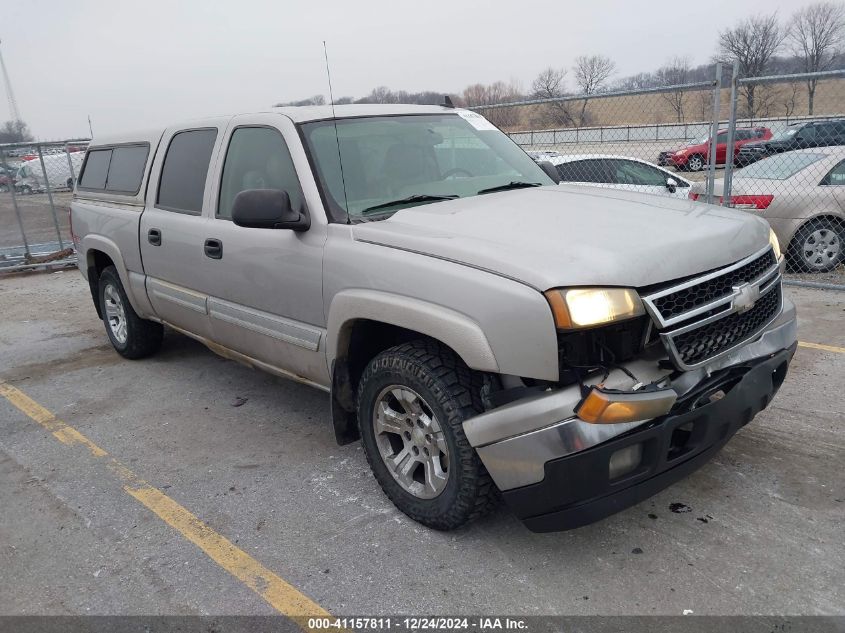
[{"x": 558, "y": 472}]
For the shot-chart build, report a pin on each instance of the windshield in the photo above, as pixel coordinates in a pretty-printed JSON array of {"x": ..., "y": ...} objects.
[
  {"x": 393, "y": 162},
  {"x": 779, "y": 166},
  {"x": 700, "y": 141},
  {"x": 786, "y": 134}
]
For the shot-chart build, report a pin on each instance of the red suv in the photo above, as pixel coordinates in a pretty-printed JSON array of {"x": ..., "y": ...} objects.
[{"x": 695, "y": 156}]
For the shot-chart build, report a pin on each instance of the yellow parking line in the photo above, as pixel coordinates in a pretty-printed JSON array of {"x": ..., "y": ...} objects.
[
  {"x": 64, "y": 433},
  {"x": 281, "y": 595},
  {"x": 826, "y": 348}
]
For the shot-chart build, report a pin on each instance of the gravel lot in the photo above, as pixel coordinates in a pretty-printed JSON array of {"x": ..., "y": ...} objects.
[
  {"x": 36, "y": 217},
  {"x": 254, "y": 458}
]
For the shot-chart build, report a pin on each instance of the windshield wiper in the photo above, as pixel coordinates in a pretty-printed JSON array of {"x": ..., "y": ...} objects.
[
  {"x": 417, "y": 197},
  {"x": 514, "y": 184}
]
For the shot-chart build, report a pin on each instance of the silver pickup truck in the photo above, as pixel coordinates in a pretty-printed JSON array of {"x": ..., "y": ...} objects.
[{"x": 485, "y": 332}]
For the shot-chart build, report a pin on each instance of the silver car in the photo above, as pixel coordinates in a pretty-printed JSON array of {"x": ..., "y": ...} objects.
[{"x": 802, "y": 195}]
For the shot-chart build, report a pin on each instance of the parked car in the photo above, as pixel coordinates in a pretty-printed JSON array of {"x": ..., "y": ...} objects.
[
  {"x": 619, "y": 172},
  {"x": 541, "y": 155},
  {"x": 696, "y": 155},
  {"x": 802, "y": 195},
  {"x": 7, "y": 178},
  {"x": 481, "y": 328},
  {"x": 796, "y": 136},
  {"x": 31, "y": 175}
]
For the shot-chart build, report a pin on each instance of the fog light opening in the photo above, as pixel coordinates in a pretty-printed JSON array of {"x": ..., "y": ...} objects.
[
  {"x": 625, "y": 461},
  {"x": 680, "y": 439}
]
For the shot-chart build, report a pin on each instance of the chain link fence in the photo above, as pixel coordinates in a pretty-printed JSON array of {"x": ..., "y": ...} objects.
[
  {"x": 36, "y": 184},
  {"x": 772, "y": 146}
]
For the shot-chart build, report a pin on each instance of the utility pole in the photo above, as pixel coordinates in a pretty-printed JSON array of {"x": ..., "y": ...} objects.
[{"x": 10, "y": 95}]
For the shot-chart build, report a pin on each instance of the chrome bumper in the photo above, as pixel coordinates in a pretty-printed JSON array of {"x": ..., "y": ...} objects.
[{"x": 516, "y": 440}]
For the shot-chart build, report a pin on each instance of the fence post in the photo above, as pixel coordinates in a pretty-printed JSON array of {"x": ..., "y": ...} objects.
[
  {"x": 70, "y": 166},
  {"x": 50, "y": 197},
  {"x": 15, "y": 203},
  {"x": 714, "y": 132},
  {"x": 729, "y": 164}
]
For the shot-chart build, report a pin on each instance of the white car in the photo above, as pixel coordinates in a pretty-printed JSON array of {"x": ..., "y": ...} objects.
[
  {"x": 619, "y": 172},
  {"x": 31, "y": 175}
]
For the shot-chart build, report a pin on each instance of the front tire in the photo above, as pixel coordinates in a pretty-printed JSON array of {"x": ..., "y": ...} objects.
[
  {"x": 695, "y": 163},
  {"x": 130, "y": 335},
  {"x": 412, "y": 402}
]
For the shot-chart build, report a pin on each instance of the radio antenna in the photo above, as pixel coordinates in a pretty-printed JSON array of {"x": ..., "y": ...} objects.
[{"x": 336, "y": 137}]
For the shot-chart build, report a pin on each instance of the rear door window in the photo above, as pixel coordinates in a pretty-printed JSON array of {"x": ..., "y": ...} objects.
[
  {"x": 96, "y": 169},
  {"x": 127, "y": 168},
  {"x": 629, "y": 172},
  {"x": 182, "y": 184}
]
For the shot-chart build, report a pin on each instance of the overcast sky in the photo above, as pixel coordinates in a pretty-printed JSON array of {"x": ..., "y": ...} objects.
[{"x": 150, "y": 63}]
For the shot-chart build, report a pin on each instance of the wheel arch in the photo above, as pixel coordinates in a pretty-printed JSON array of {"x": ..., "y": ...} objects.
[
  {"x": 363, "y": 323},
  {"x": 101, "y": 252}
]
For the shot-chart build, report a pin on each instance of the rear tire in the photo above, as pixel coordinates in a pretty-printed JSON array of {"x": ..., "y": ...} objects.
[
  {"x": 818, "y": 246},
  {"x": 130, "y": 335},
  {"x": 412, "y": 402}
]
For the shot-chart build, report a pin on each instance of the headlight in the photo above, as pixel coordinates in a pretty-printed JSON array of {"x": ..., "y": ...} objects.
[
  {"x": 585, "y": 307},
  {"x": 773, "y": 240}
]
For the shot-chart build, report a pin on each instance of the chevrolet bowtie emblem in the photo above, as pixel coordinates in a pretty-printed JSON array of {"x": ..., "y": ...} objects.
[{"x": 745, "y": 296}]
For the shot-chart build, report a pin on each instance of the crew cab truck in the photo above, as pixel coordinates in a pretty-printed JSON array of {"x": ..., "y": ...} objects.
[{"x": 484, "y": 331}]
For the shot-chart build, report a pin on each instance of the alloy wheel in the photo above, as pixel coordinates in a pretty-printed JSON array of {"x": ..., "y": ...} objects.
[
  {"x": 411, "y": 442},
  {"x": 115, "y": 314},
  {"x": 821, "y": 249}
]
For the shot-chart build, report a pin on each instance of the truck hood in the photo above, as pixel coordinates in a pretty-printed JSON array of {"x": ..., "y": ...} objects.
[{"x": 573, "y": 235}]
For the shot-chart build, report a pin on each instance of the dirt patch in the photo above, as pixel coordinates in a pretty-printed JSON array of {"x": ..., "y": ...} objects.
[{"x": 83, "y": 359}]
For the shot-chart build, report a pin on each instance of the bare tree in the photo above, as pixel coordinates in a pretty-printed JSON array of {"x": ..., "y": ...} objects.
[
  {"x": 15, "y": 132},
  {"x": 752, "y": 43},
  {"x": 790, "y": 98},
  {"x": 815, "y": 35},
  {"x": 551, "y": 84},
  {"x": 591, "y": 74},
  {"x": 315, "y": 100},
  {"x": 382, "y": 94},
  {"x": 497, "y": 92},
  {"x": 675, "y": 73},
  {"x": 704, "y": 103},
  {"x": 639, "y": 81}
]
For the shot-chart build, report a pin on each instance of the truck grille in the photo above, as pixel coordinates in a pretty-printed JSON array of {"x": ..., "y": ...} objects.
[
  {"x": 700, "y": 294},
  {"x": 703, "y": 318},
  {"x": 701, "y": 344}
]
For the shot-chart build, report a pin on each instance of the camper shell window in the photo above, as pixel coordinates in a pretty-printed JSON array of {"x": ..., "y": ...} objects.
[{"x": 118, "y": 169}]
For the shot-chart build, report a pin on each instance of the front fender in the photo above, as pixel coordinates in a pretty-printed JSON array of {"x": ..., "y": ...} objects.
[{"x": 451, "y": 328}]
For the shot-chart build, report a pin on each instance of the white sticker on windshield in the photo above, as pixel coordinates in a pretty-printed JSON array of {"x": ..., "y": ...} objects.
[{"x": 475, "y": 120}]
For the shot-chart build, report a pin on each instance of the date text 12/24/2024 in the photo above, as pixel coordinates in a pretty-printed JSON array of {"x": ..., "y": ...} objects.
[{"x": 417, "y": 623}]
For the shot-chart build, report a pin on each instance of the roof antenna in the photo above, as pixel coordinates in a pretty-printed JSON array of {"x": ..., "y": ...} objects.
[
  {"x": 447, "y": 102},
  {"x": 336, "y": 138}
]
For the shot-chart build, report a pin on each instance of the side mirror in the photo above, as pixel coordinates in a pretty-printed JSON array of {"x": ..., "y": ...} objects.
[
  {"x": 551, "y": 170},
  {"x": 268, "y": 209},
  {"x": 671, "y": 184}
]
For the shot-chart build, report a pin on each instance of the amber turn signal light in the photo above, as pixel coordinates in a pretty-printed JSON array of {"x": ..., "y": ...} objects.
[{"x": 605, "y": 406}]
